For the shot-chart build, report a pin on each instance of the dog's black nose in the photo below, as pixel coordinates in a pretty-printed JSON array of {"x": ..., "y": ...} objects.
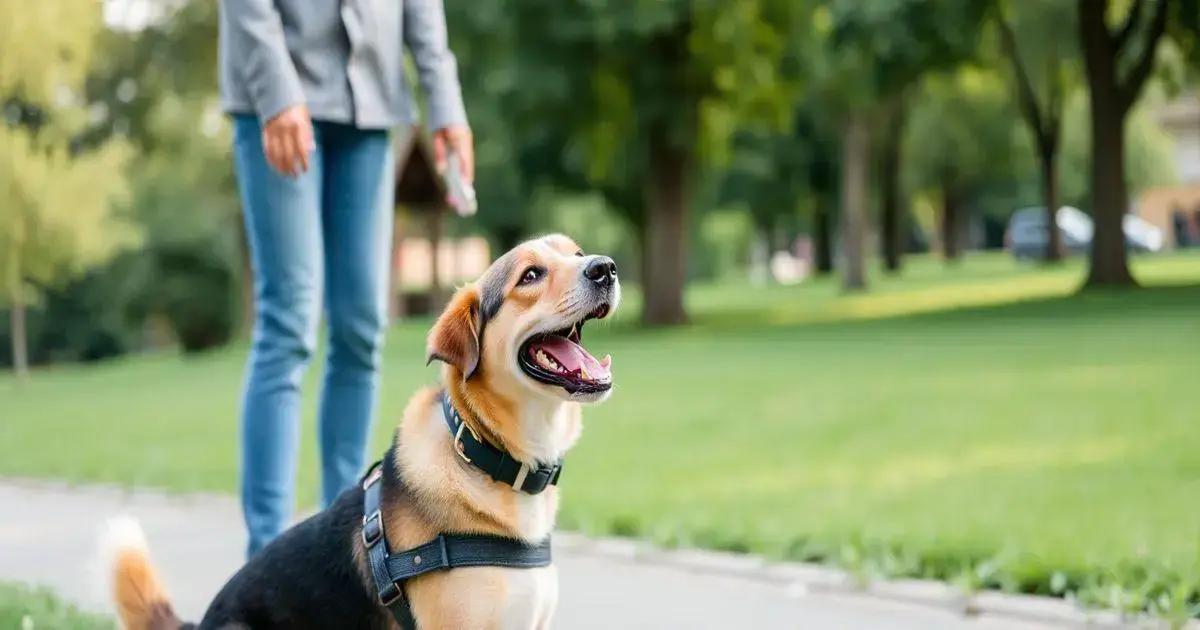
[{"x": 601, "y": 270}]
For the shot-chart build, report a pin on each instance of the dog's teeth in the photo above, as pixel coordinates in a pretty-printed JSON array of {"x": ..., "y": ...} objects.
[
  {"x": 583, "y": 372},
  {"x": 606, "y": 361}
]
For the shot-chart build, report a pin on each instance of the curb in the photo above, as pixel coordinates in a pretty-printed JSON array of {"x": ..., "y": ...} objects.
[{"x": 799, "y": 579}]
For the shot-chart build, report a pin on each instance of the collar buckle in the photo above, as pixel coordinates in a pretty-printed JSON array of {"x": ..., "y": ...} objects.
[
  {"x": 458, "y": 443},
  {"x": 522, "y": 473}
]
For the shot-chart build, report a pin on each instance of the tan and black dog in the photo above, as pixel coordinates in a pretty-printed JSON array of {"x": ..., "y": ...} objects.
[{"x": 516, "y": 373}]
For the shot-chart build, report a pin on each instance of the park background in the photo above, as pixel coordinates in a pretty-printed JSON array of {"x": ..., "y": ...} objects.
[{"x": 827, "y": 353}]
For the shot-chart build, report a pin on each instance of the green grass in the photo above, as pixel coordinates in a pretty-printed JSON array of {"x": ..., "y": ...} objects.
[
  {"x": 26, "y": 608},
  {"x": 983, "y": 424}
]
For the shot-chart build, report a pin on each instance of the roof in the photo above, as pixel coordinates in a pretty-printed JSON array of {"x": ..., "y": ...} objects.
[{"x": 418, "y": 185}]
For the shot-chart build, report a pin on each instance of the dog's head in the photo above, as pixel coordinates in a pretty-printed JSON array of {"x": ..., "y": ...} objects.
[{"x": 519, "y": 328}]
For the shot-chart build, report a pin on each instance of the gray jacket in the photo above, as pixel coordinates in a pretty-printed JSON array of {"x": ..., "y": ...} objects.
[{"x": 342, "y": 58}]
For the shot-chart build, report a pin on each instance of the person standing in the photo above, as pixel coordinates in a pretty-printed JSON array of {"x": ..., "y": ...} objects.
[{"x": 313, "y": 87}]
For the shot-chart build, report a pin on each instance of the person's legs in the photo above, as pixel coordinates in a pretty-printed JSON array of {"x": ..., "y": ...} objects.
[
  {"x": 357, "y": 214},
  {"x": 283, "y": 224}
]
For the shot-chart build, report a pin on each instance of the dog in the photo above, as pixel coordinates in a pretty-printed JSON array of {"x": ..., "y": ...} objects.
[{"x": 517, "y": 374}]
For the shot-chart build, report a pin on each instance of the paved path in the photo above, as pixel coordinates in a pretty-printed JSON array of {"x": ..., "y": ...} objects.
[{"x": 48, "y": 532}]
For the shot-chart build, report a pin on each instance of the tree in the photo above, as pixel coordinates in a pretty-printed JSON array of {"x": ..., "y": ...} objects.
[
  {"x": 772, "y": 174},
  {"x": 872, "y": 52},
  {"x": 1117, "y": 65},
  {"x": 960, "y": 138},
  {"x": 58, "y": 213},
  {"x": 634, "y": 100},
  {"x": 157, "y": 87},
  {"x": 1042, "y": 73},
  {"x": 57, "y": 219}
]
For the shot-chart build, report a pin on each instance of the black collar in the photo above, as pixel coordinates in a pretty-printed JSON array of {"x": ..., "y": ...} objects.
[{"x": 497, "y": 463}]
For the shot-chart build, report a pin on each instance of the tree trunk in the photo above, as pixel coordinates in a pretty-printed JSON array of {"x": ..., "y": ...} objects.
[
  {"x": 891, "y": 229},
  {"x": 856, "y": 156},
  {"x": 664, "y": 238},
  {"x": 892, "y": 219},
  {"x": 1110, "y": 96},
  {"x": 16, "y": 319},
  {"x": 951, "y": 230},
  {"x": 1054, "y": 244},
  {"x": 1109, "y": 262},
  {"x": 20, "y": 346},
  {"x": 822, "y": 237}
]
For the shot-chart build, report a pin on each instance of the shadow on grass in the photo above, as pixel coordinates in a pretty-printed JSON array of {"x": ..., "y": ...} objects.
[{"x": 1166, "y": 301}]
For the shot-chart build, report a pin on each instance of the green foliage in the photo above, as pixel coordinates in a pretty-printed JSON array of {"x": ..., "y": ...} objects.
[
  {"x": 874, "y": 49},
  {"x": 59, "y": 213},
  {"x": 59, "y": 203},
  {"x": 962, "y": 132},
  {"x": 725, "y": 237},
  {"x": 771, "y": 174},
  {"x": 153, "y": 90},
  {"x": 184, "y": 196},
  {"x": 1044, "y": 34},
  {"x": 47, "y": 49},
  {"x": 570, "y": 100}
]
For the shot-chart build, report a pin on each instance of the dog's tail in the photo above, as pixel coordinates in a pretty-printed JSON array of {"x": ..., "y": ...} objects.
[{"x": 141, "y": 601}]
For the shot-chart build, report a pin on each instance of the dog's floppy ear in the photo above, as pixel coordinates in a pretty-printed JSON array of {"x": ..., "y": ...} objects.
[{"x": 455, "y": 337}]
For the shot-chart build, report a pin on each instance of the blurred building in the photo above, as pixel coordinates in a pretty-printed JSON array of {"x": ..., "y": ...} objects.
[{"x": 1176, "y": 209}]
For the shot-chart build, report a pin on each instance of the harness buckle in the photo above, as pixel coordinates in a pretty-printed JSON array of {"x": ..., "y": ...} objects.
[
  {"x": 390, "y": 595},
  {"x": 372, "y": 529}
]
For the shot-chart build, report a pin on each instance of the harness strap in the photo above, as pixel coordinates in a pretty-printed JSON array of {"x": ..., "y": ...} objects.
[
  {"x": 494, "y": 461},
  {"x": 446, "y": 551}
]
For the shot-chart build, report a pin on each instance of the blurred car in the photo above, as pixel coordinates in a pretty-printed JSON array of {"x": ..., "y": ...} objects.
[
  {"x": 1142, "y": 235},
  {"x": 1027, "y": 231},
  {"x": 1026, "y": 236}
]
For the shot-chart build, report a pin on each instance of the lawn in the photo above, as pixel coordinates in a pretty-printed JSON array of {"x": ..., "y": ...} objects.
[
  {"x": 982, "y": 423},
  {"x": 25, "y": 608}
]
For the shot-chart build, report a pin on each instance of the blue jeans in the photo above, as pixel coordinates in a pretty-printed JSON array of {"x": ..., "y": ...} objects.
[{"x": 325, "y": 234}]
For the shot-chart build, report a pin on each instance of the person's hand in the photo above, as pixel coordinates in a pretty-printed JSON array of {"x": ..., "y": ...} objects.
[
  {"x": 456, "y": 139},
  {"x": 288, "y": 140}
]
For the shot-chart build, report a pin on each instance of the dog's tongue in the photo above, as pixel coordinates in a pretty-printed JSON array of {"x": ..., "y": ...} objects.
[{"x": 573, "y": 357}]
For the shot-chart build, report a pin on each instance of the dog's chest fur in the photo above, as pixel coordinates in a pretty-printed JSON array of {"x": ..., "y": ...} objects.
[{"x": 451, "y": 496}]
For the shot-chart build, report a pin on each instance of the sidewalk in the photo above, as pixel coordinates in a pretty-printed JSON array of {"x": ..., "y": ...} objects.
[{"x": 48, "y": 533}]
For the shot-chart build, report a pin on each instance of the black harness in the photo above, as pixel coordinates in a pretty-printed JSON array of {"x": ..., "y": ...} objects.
[{"x": 449, "y": 551}]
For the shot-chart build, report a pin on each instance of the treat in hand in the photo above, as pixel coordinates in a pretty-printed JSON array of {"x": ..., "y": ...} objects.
[{"x": 460, "y": 194}]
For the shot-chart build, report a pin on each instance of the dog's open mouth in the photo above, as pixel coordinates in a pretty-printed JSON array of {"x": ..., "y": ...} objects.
[{"x": 559, "y": 358}]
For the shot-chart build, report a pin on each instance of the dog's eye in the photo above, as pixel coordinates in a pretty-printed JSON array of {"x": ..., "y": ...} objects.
[
  {"x": 579, "y": 253},
  {"x": 531, "y": 275}
]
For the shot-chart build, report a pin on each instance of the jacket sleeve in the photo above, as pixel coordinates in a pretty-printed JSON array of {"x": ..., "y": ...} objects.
[
  {"x": 425, "y": 35},
  {"x": 267, "y": 69}
]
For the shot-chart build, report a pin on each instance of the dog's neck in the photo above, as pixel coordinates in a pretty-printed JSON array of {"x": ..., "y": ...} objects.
[
  {"x": 449, "y": 494},
  {"x": 535, "y": 430}
]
